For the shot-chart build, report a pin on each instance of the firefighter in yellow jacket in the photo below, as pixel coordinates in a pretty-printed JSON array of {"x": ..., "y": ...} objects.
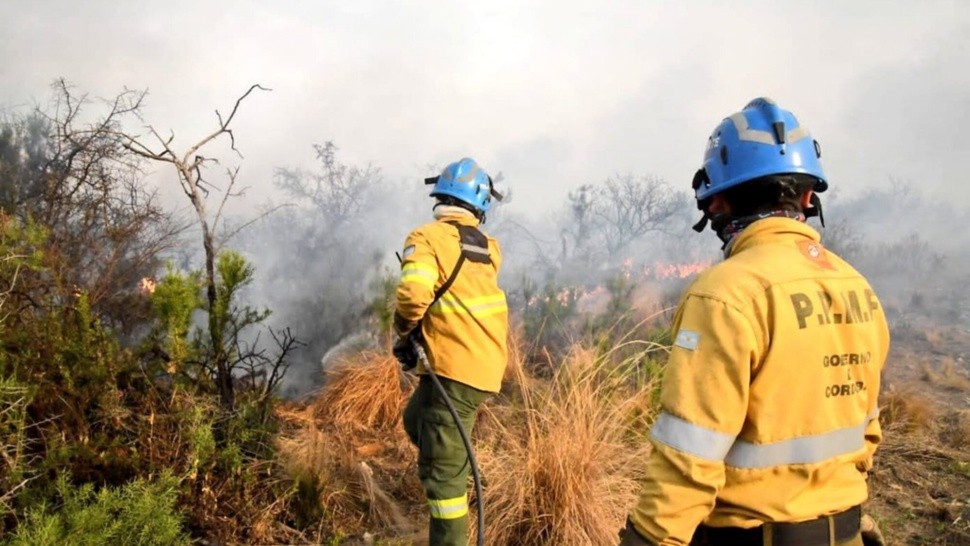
[
  {"x": 448, "y": 299},
  {"x": 769, "y": 416}
]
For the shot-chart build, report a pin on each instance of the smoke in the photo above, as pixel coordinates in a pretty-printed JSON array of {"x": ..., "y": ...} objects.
[
  {"x": 325, "y": 260},
  {"x": 912, "y": 248},
  {"x": 324, "y": 263}
]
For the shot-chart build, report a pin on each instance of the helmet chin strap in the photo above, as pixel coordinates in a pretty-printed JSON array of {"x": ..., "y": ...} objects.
[
  {"x": 815, "y": 209},
  {"x": 718, "y": 221},
  {"x": 700, "y": 225}
]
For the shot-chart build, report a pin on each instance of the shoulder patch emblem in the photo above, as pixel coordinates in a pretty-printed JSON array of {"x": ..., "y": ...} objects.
[
  {"x": 407, "y": 251},
  {"x": 687, "y": 339},
  {"x": 816, "y": 253}
]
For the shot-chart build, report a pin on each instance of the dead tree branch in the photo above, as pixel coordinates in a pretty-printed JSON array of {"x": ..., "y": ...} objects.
[{"x": 190, "y": 168}]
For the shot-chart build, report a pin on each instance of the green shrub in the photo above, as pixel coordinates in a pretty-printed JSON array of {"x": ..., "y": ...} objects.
[
  {"x": 14, "y": 398},
  {"x": 136, "y": 514},
  {"x": 174, "y": 300},
  {"x": 548, "y": 316}
]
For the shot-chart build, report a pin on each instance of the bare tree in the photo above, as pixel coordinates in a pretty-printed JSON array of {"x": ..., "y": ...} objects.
[
  {"x": 74, "y": 178},
  {"x": 337, "y": 192},
  {"x": 336, "y": 229},
  {"x": 190, "y": 167},
  {"x": 579, "y": 231},
  {"x": 627, "y": 207}
]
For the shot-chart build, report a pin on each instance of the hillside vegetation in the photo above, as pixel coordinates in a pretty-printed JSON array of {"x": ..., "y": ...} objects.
[{"x": 147, "y": 396}]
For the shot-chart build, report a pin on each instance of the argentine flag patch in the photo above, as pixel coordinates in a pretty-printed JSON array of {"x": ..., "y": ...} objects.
[{"x": 687, "y": 339}]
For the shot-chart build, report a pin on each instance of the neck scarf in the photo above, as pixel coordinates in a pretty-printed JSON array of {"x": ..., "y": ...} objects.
[
  {"x": 441, "y": 210},
  {"x": 730, "y": 230}
]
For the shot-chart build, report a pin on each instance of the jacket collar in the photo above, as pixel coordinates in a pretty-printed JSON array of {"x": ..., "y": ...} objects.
[{"x": 769, "y": 230}]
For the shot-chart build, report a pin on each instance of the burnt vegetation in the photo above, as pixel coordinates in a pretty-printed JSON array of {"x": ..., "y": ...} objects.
[{"x": 220, "y": 377}]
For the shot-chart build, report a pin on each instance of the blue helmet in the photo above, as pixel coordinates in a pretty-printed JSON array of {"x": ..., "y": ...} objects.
[
  {"x": 760, "y": 140},
  {"x": 465, "y": 181}
]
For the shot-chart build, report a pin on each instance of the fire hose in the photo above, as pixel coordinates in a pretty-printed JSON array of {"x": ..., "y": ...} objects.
[{"x": 423, "y": 359}]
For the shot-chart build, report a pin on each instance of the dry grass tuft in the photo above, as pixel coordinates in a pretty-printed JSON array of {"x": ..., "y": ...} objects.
[
  {"x": 906, "y": 409},
  {"x": 951, "y": 376},
  {"x": 933, "y": 336},
  {"x": 348, "y": 451},
  {"x": 956, "y": 432},
  {"x": 363, "y": 393},
  {"x": 516, "y": 378},
  {"x": 335, "y": 482},
  {"x": 566, "y": 471},
  {"x": 947, "y": 375}
]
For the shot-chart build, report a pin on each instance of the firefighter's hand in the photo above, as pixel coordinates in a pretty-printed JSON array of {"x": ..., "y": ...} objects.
[
  {"x": 630, "y": 537},
  {"x": 871, "y": 535},
  {"x": 404, "y": 352}
]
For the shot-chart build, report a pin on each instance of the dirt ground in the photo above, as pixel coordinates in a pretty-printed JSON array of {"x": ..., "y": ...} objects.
[{"x": 921, "y": 483}]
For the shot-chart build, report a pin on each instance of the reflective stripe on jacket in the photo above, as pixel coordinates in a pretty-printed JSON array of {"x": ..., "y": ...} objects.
[
  {"x": 769, "y": 403},
  {"x": 466, "y": 330}
]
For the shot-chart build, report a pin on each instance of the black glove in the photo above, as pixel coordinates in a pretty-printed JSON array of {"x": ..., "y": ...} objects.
[
  {"x": 404, "y": 352},
  {"x": 630, "y": 537}
]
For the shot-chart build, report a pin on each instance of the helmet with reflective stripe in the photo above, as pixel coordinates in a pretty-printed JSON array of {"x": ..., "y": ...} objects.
[
  {"x": 465, "y": 181},
  {"x": 760, "y": 140}
]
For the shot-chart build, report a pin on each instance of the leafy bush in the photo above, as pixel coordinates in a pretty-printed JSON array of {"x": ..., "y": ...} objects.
[
  {"x": 65, "y": 168},
  {"x": 140, "y": 513},
  {"x": 74, "y": 367},
  {"x": 227, "y": 361},
  {"x": 14, "y": 398}
]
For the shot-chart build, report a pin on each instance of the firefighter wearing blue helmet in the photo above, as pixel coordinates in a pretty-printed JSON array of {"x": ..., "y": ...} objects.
[
  {"x": 760, "y": 157},
  {"x": 769, "y": 414},
  {"x": 448, "y": 301},
  {"x": 465, "y": 184}
]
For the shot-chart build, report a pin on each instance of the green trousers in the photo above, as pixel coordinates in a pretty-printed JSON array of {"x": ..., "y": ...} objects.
[{"x": 442, "y": 461}]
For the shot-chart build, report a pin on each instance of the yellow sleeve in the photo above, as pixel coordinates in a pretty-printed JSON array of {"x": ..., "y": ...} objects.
[
  {"x": 415, "y": 290},
  {"x": 873, "y": 436},
  {"x": 704, "y": 401},
  {"x": 496, "y": 255}
]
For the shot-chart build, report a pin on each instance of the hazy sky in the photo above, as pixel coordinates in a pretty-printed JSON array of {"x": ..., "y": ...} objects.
[{"x": 554, "y": 93}]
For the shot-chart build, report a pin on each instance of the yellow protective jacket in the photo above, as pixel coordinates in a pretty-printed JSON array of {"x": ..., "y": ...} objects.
[
  {"x": 466, "y": 330},
  {"x": 769, "y": 403}
]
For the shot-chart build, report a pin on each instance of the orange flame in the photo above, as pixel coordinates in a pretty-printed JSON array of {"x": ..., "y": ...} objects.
[
  {"x": 146, "y": 286},
  {"x": 664, "y": 270},
  {"x": 660, "y": 271}
]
